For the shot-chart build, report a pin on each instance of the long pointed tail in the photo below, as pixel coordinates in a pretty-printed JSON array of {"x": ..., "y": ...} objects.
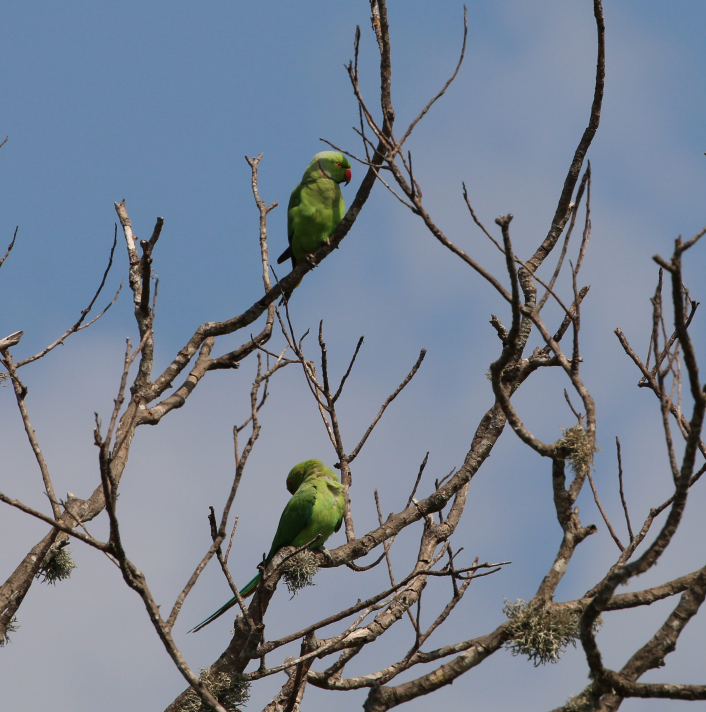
[{"x": 247, "y": 590}]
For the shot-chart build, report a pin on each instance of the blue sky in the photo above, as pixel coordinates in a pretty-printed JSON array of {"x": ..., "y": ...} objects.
[{"x": 157, "y": 103}]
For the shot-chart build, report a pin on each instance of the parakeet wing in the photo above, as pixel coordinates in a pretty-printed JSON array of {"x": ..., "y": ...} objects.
[
  {"x": 294, "y": 202},
  {"x": 295, "y": 517}
]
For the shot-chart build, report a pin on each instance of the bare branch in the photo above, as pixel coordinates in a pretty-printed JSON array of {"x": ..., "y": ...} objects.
[
  {"x": 78, "y": 325},
  {"x": 387, "y": 402},
  {"x": 54, "y": 522},
  {"x": 563, "y": 209},
  {"x": 416, "y": 483},
  {"x": 263, "y": 209},
  {"x": 578, "y": 416},
  {"x": 421, "y": 114},
  {"x": 232, "y": 534},
  {"x": 574, "y": 210},
  {"x": 587, "y": 224},
  {"x": 348, "y": 370},
  {"x": 602, "y": 511},
  {"x": 20, "y": 393},
  {"x": 690, "y": 243},
  {"x": 478, "y": 222},
  {"x": 11, "y": 340},
  {"x": 622, "y": 495},
  {"x": 14, "y": 237}
]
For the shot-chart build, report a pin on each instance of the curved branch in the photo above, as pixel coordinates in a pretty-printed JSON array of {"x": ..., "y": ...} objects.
[{"x": 563, "y": 209}]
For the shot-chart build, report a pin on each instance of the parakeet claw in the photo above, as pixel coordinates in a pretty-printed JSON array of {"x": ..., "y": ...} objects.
[
  {"x": 327, "y": 555},
  {"x": 285, "y": 297}
]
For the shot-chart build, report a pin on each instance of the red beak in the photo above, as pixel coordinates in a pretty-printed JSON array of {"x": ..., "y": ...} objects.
[{"x": 348, "y": 176}]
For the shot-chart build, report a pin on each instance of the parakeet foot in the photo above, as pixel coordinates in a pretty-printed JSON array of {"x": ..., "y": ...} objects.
[
  {"x": 327, "y": 555},
  {"x": 285, "y": 297}
]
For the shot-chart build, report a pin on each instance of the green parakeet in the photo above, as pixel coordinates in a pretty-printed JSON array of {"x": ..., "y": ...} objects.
[
  {"x": 316, "y": 205},
  {"x": 316, "y": 508}
]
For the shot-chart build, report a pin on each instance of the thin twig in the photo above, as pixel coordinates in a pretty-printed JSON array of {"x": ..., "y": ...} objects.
[
  {"x": 264, "y": 210},
  {"x": 230, "y": 543},
  {"x": 579, "y": 417},
  {"x": 602, "y": 511},
  {"x": 443, "y": 89},
  {"x": 54, "y": 523},
  {"x": 622, "y": 494},
  {"x": 419, "y": 477},
  {"x": 348, "y": 371},
  {"x": 386, "y": 544},
  {"x": 560, "y": 261},
  {"x": 387, "y": 402},
  {"x": 20, "y": 393},
  {"x": 355, "y": 567},
  {"x": 587, "y": 224},
  {"x": 690, "y": 243},
  {"x": 269, "y": 646},
  {"x": 14, "y": 237},
  {"x": 78, "y": 326}
]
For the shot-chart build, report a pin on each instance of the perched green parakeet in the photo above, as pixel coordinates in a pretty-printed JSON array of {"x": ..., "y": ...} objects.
[
  {"x": 316, "y": 508},
  {"x": 316, "y": 205}
]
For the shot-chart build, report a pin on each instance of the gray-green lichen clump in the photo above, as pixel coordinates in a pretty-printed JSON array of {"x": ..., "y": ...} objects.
[
  {"x": 57, "y": 566},
  {"x": 230, "y": 689},
  {"x": 12, "y": 626},
  {"x": 541, "y": 632},
  {"x": 299, "y": 571},
  {"x": 580, "y": 448}
]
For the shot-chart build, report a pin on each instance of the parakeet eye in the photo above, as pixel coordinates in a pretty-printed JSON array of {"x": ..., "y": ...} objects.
[{"x": 339, "y": 165}]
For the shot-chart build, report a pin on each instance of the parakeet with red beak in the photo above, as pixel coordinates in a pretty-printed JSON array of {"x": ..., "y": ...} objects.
[{"x": 316, "y": 205}]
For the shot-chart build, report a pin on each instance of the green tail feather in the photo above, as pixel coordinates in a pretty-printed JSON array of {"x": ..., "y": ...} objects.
[
  {"x": 246, "y": 591},
  {"x": 250, "y": 587}
]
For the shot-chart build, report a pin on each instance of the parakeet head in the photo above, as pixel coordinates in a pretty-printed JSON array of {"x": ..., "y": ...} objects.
[
  {"x": 306, "y": 469},
  {"x": 333, "y": 165}
]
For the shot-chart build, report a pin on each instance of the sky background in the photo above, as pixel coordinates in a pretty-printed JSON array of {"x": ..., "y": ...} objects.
[{"x": 157, "y": 103}]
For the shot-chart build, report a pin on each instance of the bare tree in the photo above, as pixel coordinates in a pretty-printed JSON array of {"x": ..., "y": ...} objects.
[{"x": 539, "y": 628}]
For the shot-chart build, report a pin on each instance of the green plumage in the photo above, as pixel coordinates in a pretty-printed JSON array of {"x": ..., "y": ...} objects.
[
  {"x": 316, "y": 508},
  {"x": 316, "y": 205}
]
